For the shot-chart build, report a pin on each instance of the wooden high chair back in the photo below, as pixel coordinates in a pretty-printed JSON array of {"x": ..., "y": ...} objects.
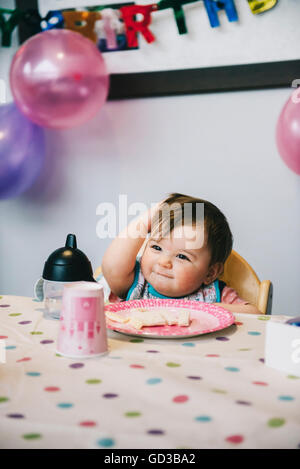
[{"x": 240, "y": 276}]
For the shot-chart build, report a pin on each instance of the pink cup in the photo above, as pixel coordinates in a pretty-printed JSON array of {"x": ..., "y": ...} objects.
[{"x": 82, "y": 332}]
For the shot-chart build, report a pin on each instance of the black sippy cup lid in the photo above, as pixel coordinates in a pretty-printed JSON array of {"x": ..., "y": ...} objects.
[{"x": 68, "y": 264}]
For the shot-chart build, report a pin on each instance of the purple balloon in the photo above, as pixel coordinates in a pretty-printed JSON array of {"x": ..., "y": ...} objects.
[
  {"x": 58, "y": 79},
  {"x": 22, "y": 151}
]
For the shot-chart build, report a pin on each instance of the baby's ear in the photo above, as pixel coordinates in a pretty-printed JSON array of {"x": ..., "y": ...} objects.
[{"x": 214, "y": 272}]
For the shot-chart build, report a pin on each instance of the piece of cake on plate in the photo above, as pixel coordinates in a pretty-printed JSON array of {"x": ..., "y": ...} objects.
[{"x": 152, "y": 317}]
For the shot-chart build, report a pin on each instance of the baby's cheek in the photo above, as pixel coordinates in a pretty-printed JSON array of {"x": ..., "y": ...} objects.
[
  {"x": 187, "y": 276},
  {"x": 145, "y": 263}
]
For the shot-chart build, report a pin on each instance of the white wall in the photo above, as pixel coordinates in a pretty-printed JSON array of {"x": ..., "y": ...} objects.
[{"x": 220, "y": 147}]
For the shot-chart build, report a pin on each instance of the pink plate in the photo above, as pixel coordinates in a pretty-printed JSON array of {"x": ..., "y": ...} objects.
[{"x": 204, "y": 318}]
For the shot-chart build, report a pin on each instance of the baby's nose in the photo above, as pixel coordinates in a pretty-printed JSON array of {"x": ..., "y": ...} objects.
[{"x": 165, "y": 261}]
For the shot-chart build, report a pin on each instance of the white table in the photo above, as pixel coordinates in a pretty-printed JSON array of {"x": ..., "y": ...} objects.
[{"x": 212, "y": 391}]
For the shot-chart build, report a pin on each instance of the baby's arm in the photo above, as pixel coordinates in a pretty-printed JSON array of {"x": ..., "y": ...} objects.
[
  {"x": 231, "y": 301},
  {"x": 240, "y": 308},
  {"x": 119, "y": 259}
]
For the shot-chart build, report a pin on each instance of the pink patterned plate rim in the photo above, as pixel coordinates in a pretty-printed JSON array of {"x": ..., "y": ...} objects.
[{"x": 204, "y": 318}]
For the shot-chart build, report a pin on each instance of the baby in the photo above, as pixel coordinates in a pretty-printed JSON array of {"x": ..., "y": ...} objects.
[{"x": 184, "y": 255}]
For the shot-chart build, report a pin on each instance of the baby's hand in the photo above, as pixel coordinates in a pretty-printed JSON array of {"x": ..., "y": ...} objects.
[
  {"x": 148, "y": 216},
  {"x": 146, "y": 219}
]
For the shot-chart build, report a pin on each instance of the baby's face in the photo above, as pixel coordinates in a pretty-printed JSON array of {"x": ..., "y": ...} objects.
[{"x": 172, "y": 269}]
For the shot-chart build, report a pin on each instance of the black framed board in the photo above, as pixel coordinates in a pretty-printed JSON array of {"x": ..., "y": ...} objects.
[{"x": 254, "y": 52}]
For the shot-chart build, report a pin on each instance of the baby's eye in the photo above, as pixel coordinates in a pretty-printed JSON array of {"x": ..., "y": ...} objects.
[
  {"x": 182, "y": 256},
  {"x": 157, "y": 248}
]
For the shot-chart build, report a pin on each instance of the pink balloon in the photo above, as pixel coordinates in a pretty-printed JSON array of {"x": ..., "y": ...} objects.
[
  {"x": 288, "y": 132},
  {"x": 58, "y": 79}
]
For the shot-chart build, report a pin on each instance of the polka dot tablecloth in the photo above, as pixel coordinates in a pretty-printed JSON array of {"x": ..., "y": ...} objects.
[{"x": 212, "y": 391}]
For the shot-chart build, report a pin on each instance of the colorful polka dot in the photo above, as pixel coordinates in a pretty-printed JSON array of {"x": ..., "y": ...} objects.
[
  {"x": 93, "y": 381},
  {"x": 36, "y": 333},
  {"x": 25, "y": 359},
  {"x": 254, "y": 333},
  {"x": 65, "y": 405},
  {"x": 180, "y": 399},
  {"x": 33, "y": 373},
  {"x": 188, "y": 344},
  {"x": 10, "y": 347},
  {"x": 76, "y": 366},
  {"x": 16, "y": 416},
  {"x": 15, "y": 314},
  {"x": 2, "y": 337},
  {"x": 235, "y": 439},
  {"x": 223, "y": 339},
  {"x": 23, "y": 323},
  {"x": 137, "y": 366},
  {"x": 106, "y": 442},
  {"x": 243, "y": 402},
  {"x": 52, "y": 389},
  {"x": 32, "y": 436},
  {"x": 4, "y": 306},
  {"x": 152, "y": 381},
  {"x": 136, "y": 341},
  {"x": 155, "y": 432},
  {"x": 260, "y": 383},
  {"x": 286, "y": 398},
  {"x": 45, "y": 342},
  {"x": 211, "y": 355},
  {"x": 172, "y": 364},
  {"x": 3, "y": 399},
  {"x": 110, "y": 395},
  {"x": 88, "y": 423},
  {"x": 232, "y": 368},
  {"x": 152, "y": 351},
  {"x": 132, "y": 414},
  {"x": 195, "y": 378},
  {"x": 264, "y": 318},
  {"x": 219, "y": 391},
  {"x": 238, "y": 323},
  {"x": 203, "y": 418},
  {"x": 276, "y": 422}
]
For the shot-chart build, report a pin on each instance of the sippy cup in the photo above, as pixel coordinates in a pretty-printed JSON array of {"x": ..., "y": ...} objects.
[{"x": 63, "y": 266}]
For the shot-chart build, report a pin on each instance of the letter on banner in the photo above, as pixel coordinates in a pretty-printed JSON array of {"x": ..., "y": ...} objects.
[
  {"x": 133, "y": 27},
  {"x": 108, "y": 27},
  {"x": 212, "y": 8},
  {"x": 259, "y": 6},
  {"x": 178, "y": 12},
  {"x": 82, "y": 22},
  {"x": 7, "y": 26},
  {"x": 53, "y": 20}
]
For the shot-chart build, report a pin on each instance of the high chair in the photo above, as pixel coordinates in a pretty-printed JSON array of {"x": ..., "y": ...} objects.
[{"x": 240, "y": 276}]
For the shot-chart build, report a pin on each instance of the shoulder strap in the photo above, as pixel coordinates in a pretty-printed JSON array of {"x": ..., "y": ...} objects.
[
  {"x": 222, "y": 285},
  {"x": 135, "y": 281}
]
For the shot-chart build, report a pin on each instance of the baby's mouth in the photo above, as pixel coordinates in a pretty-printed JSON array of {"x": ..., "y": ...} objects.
[{"x": 163, "y": 275}]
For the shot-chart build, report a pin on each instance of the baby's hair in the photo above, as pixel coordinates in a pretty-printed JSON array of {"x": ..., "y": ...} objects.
[{"x": 218, "y": 234}]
